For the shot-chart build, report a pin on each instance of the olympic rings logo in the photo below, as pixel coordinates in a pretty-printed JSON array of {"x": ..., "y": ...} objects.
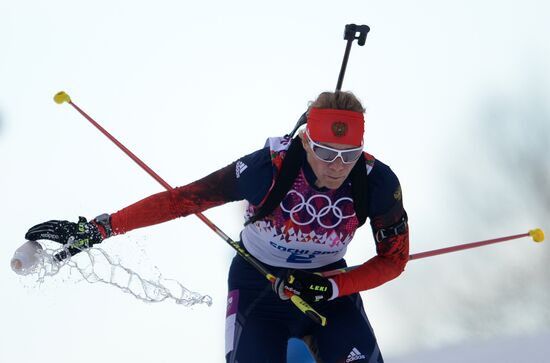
[{"x": 309, "y": 208}]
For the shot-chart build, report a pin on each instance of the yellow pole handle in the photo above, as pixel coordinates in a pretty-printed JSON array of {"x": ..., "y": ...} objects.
[
  {"x": 301, "y": 304},
  {"x": 308, "y": 310}
]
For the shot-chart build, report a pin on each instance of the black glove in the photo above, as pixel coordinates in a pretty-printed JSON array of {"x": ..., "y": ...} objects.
[
  {"x": 309, "y": 286},
  {"x": 75, "y": 236}
]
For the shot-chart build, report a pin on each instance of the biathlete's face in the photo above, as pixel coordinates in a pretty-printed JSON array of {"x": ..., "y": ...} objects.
[{"x": 330, "y": 162}]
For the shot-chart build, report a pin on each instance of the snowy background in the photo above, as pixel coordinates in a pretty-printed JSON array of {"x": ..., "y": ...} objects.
[{"x": 457, "y": 97}]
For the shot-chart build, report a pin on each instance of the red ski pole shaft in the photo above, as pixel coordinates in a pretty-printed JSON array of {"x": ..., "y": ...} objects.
[
  {"x": 304, "y": 307},
  {"x": 142, "y": 165},
  {"x": 465, "y": 246},
  {"x": 537, "y": 234}
]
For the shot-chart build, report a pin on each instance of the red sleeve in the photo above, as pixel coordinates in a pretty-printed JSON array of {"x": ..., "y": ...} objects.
[
  {"x": 216, "y": 189},
  {"x": 392, "y": 256}
]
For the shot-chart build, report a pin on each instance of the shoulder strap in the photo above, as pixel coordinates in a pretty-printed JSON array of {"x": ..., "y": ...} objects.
[
  {"x": 358, "y": 176},
  {"x": 292, "y": 163}
]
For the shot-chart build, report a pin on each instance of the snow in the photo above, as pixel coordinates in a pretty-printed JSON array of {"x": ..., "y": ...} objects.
[{"x": 531, "y": 348}]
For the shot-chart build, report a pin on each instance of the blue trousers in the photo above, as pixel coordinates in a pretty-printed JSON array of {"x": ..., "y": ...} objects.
[{"x": 259, "y": 324}]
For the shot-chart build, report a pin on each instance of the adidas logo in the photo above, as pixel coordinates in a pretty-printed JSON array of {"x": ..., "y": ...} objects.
[
  {"x": 239, "y": 168},
  {"x": 354, "y": 355}
]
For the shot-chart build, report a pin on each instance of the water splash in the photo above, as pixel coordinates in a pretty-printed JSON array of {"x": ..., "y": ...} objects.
[{"x": 95, "y": 265}]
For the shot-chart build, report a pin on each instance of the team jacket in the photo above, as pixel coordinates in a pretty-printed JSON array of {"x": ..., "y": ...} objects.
[{"x": 311, "y": 227}]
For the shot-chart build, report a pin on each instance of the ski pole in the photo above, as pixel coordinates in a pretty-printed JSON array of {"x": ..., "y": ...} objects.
[
  {"x": 536, "y": 234},
  {"x": 62, "y": 97},
  {"x": 350, "y": 34}
]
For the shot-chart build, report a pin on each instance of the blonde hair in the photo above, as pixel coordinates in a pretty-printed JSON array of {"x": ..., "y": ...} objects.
[{"x": 338, "y": 100}]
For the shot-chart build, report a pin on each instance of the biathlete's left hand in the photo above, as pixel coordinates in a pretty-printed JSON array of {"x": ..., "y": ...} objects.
[
  {"x": 309, "y": 286},
  {"x": 76, "y": 237}
]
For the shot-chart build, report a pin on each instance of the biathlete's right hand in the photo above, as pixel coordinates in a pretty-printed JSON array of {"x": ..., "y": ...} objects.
[
  {"x": 74, "y": 236},
  {"x": 311, "y": 287}
]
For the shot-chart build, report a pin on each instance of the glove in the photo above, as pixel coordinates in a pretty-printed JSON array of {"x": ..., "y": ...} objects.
[
  {"x": 74, "y": 236},
  {"x": 309, "y": 286}
]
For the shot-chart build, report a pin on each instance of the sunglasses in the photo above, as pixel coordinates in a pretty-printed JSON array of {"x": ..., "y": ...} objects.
[{"x": 328, "y": 154}]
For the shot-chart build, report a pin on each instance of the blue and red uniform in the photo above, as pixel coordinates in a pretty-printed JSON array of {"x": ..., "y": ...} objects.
[{"x": 310, "y": 230}]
